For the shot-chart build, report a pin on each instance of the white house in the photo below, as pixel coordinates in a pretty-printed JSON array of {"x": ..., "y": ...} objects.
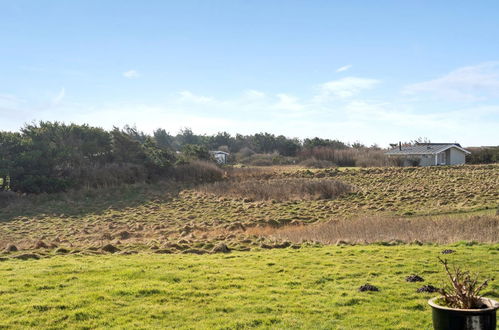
[
  {"x": 430, "y": 154},
  {"x": 221, "y": 157}
]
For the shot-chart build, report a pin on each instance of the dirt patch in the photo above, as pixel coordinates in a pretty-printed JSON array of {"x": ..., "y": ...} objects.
[
  {"x": 41, "y": 245},
  {"x": 427, "y": 288},
  {"x": 110, "y": 248},
  {"x": 164, "y": 251},
  {"x": 62, "y": 251},
  {"x": 26, "y": 256},
  {"x": 221, "y": 248},
  {"x": 195, "y": 251},
  {"x": 368, "y": 287},
  {"x": 414, "y": 278},
  {"x": 124, "y": 235},
  {"x": 11, "y": 248}
]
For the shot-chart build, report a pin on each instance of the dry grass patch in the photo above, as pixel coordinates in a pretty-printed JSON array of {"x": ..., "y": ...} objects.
[
  {"x": 280, "y": 189},
  {"x": 441, "y": 230}
]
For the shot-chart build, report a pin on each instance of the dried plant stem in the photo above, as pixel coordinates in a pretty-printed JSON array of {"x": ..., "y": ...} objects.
[{"x": 464, "y": 290}]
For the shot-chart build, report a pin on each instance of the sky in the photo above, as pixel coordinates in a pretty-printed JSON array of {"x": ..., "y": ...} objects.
[{"x": 358, "y": 71}]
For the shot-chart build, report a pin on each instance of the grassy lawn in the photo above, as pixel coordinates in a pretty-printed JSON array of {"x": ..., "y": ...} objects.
[{"x": 310, "y": 287}]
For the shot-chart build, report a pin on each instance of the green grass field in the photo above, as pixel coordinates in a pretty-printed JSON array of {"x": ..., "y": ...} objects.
[{"x": 306, "y": 288}]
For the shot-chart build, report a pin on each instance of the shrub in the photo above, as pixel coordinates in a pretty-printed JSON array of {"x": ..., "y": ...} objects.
[
  {"x": 197, "y": 172},
  {"x": 195, "y": 152},
  {"x": 362, "y": 157},
  {"x": 483, "y": 155},
  {"x": 110, "y": 175},
  {"x": 52, "y": 157},
  {"x": 341, "y": 157},
  {"x": 267, "y": 160},
  {"x": 245, "y": 152},
  {"x": 317, "y": 163},
  {"x": 245, "y": 173}
]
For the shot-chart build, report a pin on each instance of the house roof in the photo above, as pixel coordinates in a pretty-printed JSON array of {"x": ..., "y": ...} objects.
[
  {"x": 425, "y": 149},
  {"x": 218, "y": 152}
]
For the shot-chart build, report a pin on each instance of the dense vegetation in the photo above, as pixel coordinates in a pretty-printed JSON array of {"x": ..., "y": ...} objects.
[
  {"x": 52, "y": 156},
  {"x": 483, "y": 155}
]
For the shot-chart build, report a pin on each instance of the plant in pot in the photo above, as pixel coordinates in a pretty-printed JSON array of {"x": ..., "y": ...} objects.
[{"x": 460, "y": 306}]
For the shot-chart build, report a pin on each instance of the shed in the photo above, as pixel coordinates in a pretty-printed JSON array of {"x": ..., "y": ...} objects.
[
  {"x": 430, "y": 154},
  {"x": 221, "y": 157}
]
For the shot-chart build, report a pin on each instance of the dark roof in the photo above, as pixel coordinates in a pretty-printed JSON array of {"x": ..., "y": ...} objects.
[{"x": 425, "y": 149}]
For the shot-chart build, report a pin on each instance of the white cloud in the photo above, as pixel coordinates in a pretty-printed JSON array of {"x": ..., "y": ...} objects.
[
  {"x": 344, "y": 68},
  {"x": 254, "y": 94},
  {"x": 187, "y": 96},
  {"x": 344, "y": 88},
  {"x": 395, "y": 115},
  {"x": 56, "y": 100},
  {"x": 288, "y": 102},
  {"x": 131, "y": 74},
  {"x": 471, "y": 83},
  {"x": 336, "y": 109}
]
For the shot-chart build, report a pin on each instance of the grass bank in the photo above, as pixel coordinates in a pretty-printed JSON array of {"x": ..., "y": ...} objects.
[{"x": 306, "y": 288}]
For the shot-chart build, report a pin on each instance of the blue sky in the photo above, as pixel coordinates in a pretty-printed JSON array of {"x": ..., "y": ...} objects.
[{"x": 368, "y": 71}]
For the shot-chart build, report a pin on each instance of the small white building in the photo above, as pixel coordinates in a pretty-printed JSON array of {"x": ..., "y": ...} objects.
[
  {"x": 220, "y": 157},
  {"x": 430, "y": 154}
]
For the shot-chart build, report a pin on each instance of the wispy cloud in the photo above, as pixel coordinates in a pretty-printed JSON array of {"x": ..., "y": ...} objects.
[
  {"x": 131, "y": 74},
  {"x": 344, "y": 68},
  {"x": 56, "y": 100},
  {"x": 190, "y": 97},
  {"x": 344, "y": 88},
  {"x": 254, "y": 94},
  {"x": 471, "y": 83}
]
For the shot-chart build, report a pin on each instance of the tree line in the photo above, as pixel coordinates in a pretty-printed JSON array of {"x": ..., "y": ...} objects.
[{"x": 53, "y": 156}]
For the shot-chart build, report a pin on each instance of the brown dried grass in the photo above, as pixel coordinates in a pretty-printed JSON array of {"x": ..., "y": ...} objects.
[
  {"x": 279, "y": 189},
  {"x": 197, "y": 171},
  {"x": 364, "y": 157},
  {"x": 441, "y": 230}
]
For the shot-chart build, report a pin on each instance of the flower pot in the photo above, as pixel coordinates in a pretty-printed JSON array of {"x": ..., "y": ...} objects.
[{"x": 445, "y": 318}]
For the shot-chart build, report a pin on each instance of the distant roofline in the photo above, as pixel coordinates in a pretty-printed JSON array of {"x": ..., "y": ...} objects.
[
  {"x": 397, "y": 151},
  {"x": 436, "y": 144},
  {"x": 219, "y": 152}
]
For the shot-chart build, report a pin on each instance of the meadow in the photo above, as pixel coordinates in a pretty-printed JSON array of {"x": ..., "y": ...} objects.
[
  {"x": 207, "y": 255},
  {"x": 169, "y": 214}
]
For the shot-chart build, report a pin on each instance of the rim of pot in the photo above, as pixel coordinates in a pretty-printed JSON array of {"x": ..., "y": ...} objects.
[{"x": 491, "y": 303}]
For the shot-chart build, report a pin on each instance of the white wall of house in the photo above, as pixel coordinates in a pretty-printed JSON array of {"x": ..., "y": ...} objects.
[
  {"x": 221, "y": 158},
  {"x": 452, "y": 156},
  {"x": 457, "y": 157},
  {"x": 427, "y": 160}
]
